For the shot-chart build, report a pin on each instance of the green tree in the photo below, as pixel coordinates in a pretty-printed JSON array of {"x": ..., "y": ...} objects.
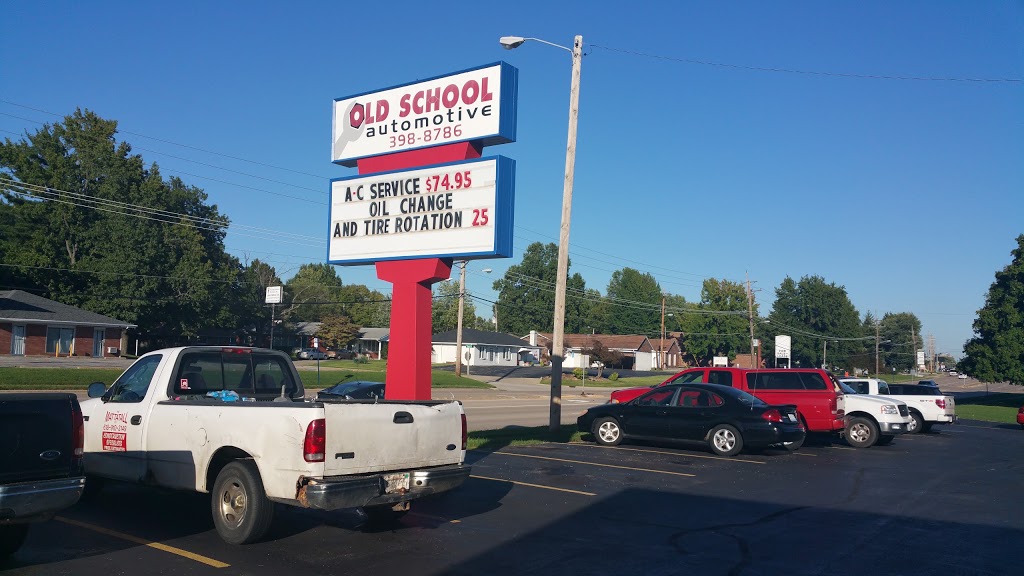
[
  {"x": 337, "y": 331},
  {"x": 312, "y": 293},
  {"x": 898, "y": 333},
  {"x": 364, "y": 306},
  {"x": 249, "y": 301},
  {"x": 633, "y": 303},
  {"x": 718, "y": 325},
  {"x": 812, "y": 312},
  {"x": 88, "y": 224},
  {"x": 996, "y": 352},
  {"x": 445, "y": 311},
  {"x": 526, "y": 294}
]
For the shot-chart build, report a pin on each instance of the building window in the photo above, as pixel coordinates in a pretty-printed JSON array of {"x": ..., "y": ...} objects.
[{"x": 59, "y": 340}]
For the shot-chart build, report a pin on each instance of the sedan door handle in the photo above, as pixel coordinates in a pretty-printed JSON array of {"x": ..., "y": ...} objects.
[{"x": 136, "y": 420}]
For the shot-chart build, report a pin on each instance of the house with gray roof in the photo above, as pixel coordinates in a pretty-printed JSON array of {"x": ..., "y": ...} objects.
[
  {"x": 31, "y": 325},
  {"x": 483, "y": 348}
]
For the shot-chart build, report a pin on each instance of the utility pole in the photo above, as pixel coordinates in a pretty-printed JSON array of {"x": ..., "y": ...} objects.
[
  {"x": 661, "y": 342},
  {"x": 750, "y": 316},
  {"x": 824, "y": 353},
  {"x": 877, "y": 367},
  {"x": 458, "y": 337},
  {"x": 913, "y": 351}
]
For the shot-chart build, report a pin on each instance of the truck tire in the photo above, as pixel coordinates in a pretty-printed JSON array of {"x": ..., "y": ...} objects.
[
  {"x": 241, "y": 511},
  {"x": 725, "y": 440},
  {"x": 607, "y": 432},
  {"x": 861, "y": 432},
  {"x": 12, "y": 536},
  {"x": 916, "y": 422}
]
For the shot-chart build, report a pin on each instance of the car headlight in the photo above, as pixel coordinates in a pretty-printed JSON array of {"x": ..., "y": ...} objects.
[{"x": 890, "y": 409}]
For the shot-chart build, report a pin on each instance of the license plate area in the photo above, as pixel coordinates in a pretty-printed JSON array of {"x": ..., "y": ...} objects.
[{"x": 396, "y": 482}]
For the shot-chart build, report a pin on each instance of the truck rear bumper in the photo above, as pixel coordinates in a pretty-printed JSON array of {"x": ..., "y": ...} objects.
[
  {"x": 344, "y": 492},
  {"x": 39, "y": 500}
]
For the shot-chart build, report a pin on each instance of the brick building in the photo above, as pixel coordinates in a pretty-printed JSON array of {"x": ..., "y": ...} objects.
[{"x": 31, "y": 325}]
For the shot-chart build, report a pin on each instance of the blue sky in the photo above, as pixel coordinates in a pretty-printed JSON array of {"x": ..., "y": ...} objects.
[{"x": 907, "y": 192}]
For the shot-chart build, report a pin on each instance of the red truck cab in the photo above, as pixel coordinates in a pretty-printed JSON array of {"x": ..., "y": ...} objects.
[{"x": 816, "y": 393}]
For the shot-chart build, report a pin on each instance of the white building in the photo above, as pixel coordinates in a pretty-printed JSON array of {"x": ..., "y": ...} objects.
[{"x": 483, "y": 349}]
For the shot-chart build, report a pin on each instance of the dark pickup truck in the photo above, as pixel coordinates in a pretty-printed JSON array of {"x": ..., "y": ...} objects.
[{"x": 41, "y": 447}]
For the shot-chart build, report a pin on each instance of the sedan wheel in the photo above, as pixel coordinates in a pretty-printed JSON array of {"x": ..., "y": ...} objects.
[
  {"x": 607, "y": 432},
  {"x": 725, "y": 440}
]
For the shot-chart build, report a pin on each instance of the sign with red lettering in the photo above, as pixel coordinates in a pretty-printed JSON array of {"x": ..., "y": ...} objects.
[
  {"x": 115, "y": 432},
  {"x": 476, "y": 104},
  {"x": 460, "y": 210}
]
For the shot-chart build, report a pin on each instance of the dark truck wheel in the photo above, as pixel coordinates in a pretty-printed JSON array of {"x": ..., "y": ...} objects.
[
  {"x": 12, "y": 536},
  {"x": 241, "y": 511},
  {"x": 861, "y": 432},
  {"x": 916, "y": 422}
]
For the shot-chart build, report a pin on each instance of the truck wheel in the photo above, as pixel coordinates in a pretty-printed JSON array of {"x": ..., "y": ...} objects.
[
  {"x": 926, "y": 427},
  {"x": 885, "y": 440},
  {"x": 12, "y": 536},
  {"x": 861, "y": 432},
  {"x": 607, "y": 432},
  {"x": 241, "y": 511},
  {"x": 916, "y": 422},
  {"x": 725, "y": 440}
]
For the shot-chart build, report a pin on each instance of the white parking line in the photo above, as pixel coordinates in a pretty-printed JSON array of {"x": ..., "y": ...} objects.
[
  {"x": 177, "y": 551},
  {"x": 580, "y": 492},
  {"x": 585, "y": 463}
]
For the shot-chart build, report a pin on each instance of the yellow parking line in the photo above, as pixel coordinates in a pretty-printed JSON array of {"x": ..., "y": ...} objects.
[
  {"x": 595, "y": 464},
  {"x": 137, "y": 540},
  {"x": 670, "y": 453},
  {"x": 534, "y": 485}
]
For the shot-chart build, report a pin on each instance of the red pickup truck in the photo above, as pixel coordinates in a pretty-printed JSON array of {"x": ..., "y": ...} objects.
[{"x": 816, "y": 393}]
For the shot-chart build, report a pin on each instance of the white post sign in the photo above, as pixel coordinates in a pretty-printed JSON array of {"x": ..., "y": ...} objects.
[
  {"x": 274, "y": 295},
  {"x": 460, "y": 210},
  {"x": 783, "y": 345}
]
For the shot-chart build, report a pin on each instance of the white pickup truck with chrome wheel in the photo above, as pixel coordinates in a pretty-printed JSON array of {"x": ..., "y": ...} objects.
[
  {"x": 928, "y": 406},
  {"x": 872, "y": 420},
  {"x": 234, "y": 422}
]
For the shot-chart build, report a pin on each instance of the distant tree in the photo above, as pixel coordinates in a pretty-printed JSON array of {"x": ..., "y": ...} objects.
[
  {"x": 312, "y": 293},
  {"x": 718, "y": 325},
  {"x": 526, "y": 294},
  {"x": 364, "y": 306},
  {"x": 445, "y": 310},
  {"x": 633, "y": 303},
  {"x": 337, "y": 331},
  {"x": 898, "y": 332},
  {"x": 249, "y": 303},
  {"x": 813, "y": 311},
  {"x": 602, "y": 356},
  {"x": 996, "y": 352}
]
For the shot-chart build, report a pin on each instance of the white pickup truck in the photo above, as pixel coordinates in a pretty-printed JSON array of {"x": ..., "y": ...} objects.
[
  {"x": 928, "y": 406},
  {"x": 234, "y": 422},
  {"x": 871, "y": 420}
]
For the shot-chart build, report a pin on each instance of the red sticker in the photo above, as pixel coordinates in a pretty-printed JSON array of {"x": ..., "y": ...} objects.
[
  {"x": 115, "y": 441},
  {"x": 184, "y": 384}
]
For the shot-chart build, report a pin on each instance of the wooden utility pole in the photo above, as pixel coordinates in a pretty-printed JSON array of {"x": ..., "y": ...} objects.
[
  {"x": 750, "y": 316},
  {"x": 458, "y": 338},
  {"x": 913, "y": 351},
  {"x": 661, "y": 342},
  {"x": 877, "y": 368}
]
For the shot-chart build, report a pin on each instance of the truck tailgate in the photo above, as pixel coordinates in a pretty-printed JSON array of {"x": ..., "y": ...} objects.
[
  {"x": 364, "y": 437},
  {"x": 35, "y": 437}
]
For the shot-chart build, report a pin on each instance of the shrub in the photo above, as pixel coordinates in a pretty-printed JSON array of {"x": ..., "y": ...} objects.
[
  {"x": 578, "y": 373},
  {"x": 545, "y": 379},
  {"x": 361, "y": 360},
  {"x": 613, "y": 376}
]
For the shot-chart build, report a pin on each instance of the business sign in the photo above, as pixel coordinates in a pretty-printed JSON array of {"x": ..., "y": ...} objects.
[
  {"x": 783, "y": 344},
  {"x": 274, "y": 295},
  {"x": 460, "y": 210},
  {"x": 476, "y": 104}
]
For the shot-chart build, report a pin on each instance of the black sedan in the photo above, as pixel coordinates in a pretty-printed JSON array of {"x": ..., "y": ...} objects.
[
  {"x": 724, "y": 418},
  {"x": 355, "y": 390}
]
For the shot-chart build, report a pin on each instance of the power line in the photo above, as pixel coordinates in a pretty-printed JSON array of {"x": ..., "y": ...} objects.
[{"x": 807, "y": 72}]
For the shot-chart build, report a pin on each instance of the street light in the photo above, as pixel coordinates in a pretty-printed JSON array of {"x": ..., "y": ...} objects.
[
  {"x": 458, "y": 337},
  {"x": 558, "y": 337}
]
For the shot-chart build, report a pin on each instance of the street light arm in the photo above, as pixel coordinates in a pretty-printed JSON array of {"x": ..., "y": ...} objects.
[{"x": 513, "y": 42}]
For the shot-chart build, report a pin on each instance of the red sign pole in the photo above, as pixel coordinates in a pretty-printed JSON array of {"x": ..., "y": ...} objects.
[{"x": 409, "y": 341}]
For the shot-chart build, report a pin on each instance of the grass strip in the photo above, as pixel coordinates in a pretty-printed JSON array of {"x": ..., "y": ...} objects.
[
  {"x": 1000, "y": 407},
  {"x": 491, "y": 440}
]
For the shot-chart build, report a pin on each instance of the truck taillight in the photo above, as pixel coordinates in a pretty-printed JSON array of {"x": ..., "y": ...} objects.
[
  {"x": 772, "y": 415},
  {"x": 77, "y": 431},
  {"x": 465, "y": 432},
  {"x": 314, "y": 446},
  {"x": 940, "y": 402}
]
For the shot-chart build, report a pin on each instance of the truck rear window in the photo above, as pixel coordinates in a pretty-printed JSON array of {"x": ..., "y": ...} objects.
[
  {"x": 785, "y": 381},
  {"x": 250, "y": 375}
]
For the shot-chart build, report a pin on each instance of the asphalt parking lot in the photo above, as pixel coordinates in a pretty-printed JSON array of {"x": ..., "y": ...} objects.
[{"x": 945, "y": 502}]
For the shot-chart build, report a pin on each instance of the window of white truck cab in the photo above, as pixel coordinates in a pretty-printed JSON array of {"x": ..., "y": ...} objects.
[
  {"x": 247, "y": 373},
  {"x": 134, "y": 383}
]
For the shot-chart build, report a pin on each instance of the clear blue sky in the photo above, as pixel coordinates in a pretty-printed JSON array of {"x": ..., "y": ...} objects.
[{"x": 907, "y": 192}]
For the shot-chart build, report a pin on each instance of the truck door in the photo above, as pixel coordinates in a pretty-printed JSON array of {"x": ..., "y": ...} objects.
[{"x": 114, "y": 432}]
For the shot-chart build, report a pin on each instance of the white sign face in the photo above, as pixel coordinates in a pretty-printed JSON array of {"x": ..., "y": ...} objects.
[
  {"x": 459, "y": 210},
  {"x": 783, "y": 344},
  {"x": 274, "y": 295},
  {"x": 478, "y": 104}
]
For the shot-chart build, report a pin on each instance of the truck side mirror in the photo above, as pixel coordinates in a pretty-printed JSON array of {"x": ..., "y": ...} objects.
[{"x": 96, "y": 389}]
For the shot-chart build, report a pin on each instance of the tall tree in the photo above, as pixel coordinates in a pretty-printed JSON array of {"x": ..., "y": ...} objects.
[
  {"x": 526, "y": 294},
  {"x": 813, "y": 312},
  {"x": 337, "y": 331},
  {"x": 996, "y": 352},
  {"x": 633, "y": 303},
  {"x": 899, "y": 330},
  {"x": 250, "y": 305},
  {"x": 312, "y": 293},
  {"x": 718, "y": 325},
  {"x": 364, "y": 306},
  {"x": 445, "y": 310},
  {"x": 88, "y": 224}
]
